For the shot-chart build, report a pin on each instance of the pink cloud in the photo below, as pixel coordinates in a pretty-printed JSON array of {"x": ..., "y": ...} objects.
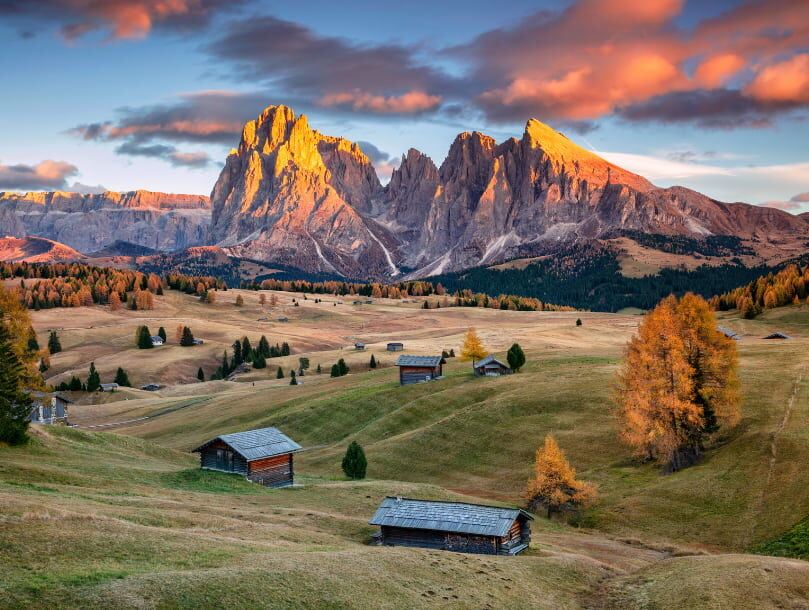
[
  {"x": 411, "y": 102},
  {"x": 785, "y": 81},
  {"x": 715, "y": 71}
]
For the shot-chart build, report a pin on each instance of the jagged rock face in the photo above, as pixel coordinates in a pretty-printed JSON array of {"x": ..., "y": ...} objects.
[
  {"x": 88, "y": 223},
  {"x": 291, "y": 195},
  {"x": 488, "y": 199}
]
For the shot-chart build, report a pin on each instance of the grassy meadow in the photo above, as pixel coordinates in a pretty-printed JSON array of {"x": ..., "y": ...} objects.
[{"x": 152, "y": 530}]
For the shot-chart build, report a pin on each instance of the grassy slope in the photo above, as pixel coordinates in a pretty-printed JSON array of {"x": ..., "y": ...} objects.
[
  {"x": 93, "y": 518},
  {"x": 478, "y": 436}
]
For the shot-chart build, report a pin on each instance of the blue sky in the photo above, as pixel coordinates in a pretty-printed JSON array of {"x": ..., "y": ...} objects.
[{"x": 711, "y": 95}]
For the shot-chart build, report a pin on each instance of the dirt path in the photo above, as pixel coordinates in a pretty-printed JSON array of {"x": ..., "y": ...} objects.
[{"x": 193, "y": 403}]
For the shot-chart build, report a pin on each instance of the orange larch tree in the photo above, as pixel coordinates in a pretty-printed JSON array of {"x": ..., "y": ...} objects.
[
  {"x": 472, "y": 348},
  {"x": 554, "y": 486}
]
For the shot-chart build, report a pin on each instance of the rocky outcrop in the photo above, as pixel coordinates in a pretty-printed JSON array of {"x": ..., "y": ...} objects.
[
  {"x": 291, "y": 195},
  {"x": 88, "y": 223}
]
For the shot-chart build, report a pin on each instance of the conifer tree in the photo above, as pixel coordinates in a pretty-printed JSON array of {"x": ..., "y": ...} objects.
[
  {"x": 292, "y": 379},
  {"x": 33, "y": 344},
  {"x": 319, "y": 369},
  {"x": 121, "y": 378},
  {"x": 15, "y": 405},
  {"x": 472, "y": 348},
  {"x": 280, "y": 373},
  {"x": 161, "y": 332},
  {"x": 578, "y": 321},
  {"x": 54, "y": 345},
  {"x": 515, "y": 357},
  {"x": 678, "y": 383},
  {"x": 372, "y": 363},
  {"x": 200, "y": 374},
  {"x": 342, "y": 367},
  {"x": 93, "y": 379},
  {"x": 187, "y": 338},
  {"x": 335, "y": 370},
  {"x": 143, "y": 338},
  {"x": 75, "y": 384},
  {"x": 554, "y": 486},
  {"x": 259, "y": 362},
  {"x": 264, "y": 346},
  {"x": 247, "y": 349},
  {"x": 237, "y": 353},
  {"x": 354, "y": 462},
  {"x": 285, "y": 349}
]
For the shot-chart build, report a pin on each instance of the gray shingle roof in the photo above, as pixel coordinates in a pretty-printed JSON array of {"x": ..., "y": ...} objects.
[
  {"x": 257, "y": 444},
  {"x": 490, "y": 360},
  {"x": 420, "y": 361},
  {"x": 446, "y": 516},
  {"x": 730, "y": 334}
]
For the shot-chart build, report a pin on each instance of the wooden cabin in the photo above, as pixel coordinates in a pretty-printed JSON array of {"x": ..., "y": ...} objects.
[
  {"x": 452, "y": 526},
  {"x": 416, "y": 369},
  {"x": 263, "y": 456},
  {"x": 157, "y": 341},
  {"x": 730, "y": 334},
  {"x": 490, "y": 367},
  {"x": 395, "y": 347},
  {"x": 48, "y": 408},
  {"x": 108, "y": 387},
  {"x": 359, "y": 347}
]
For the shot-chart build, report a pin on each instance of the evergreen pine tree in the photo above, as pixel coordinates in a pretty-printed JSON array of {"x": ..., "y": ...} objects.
[
  {"x": 354, "y": 462},
  {"x": 280, "y": 373},
  {"x": 515, "y": 357},
  {"x": 264, "y": 347},
  {"x": 187, "y": 338},
  {"x": 161, "y": 332},
  {"x": 75, "y": 384},
  {"x": 143, "y": 338},
  {"x": 319, "y": 370},
  {"x": 452, "y": 353},
  {"x": 225, "y": 368},
  {"x": 33, "y": 344},
  {"x": 578, "y": 321},
  {"x": 93, "y": 379},
  {"x": 259, "y": 362},
  {"x": 15, "y": 405},
  {"x": 372, "y": 364},
  {"x": 121, "y": 378},
  {"x": 54, "y": 346},
  {"x": 342, "y": 367},
  {"x": 285, "y": 349},
  {"x": 292, "y": 379},
  {"x": 247, "y": 349},
  {"x": 200, "y": 374},
  {"x": 335, "y": 370},
  {"x": 237, "y": 353}
]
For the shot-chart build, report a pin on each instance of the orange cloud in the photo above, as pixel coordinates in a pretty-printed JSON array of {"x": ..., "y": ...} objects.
[
  {"x": 411, "y": 102},
  {"x": 786, "y": 81},
  {"x": 715, "y": 71}
]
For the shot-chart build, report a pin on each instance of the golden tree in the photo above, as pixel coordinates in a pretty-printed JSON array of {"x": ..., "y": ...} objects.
[
  {"x": 678, "y": 383},
  {"x": 554, "y": 486},
  {"x": 472, "y": 348}
]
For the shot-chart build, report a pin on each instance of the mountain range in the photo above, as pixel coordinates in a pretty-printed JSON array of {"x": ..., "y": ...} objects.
[{"x": 293, "y": 196}]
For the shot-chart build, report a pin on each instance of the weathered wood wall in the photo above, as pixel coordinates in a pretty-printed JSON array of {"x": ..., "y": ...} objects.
[
  {"x": 416, "y": 374},
  {"x": 208, "y": 459},
  {"x": 446, "y": 541},
  {"x": 275, "y": 471}
]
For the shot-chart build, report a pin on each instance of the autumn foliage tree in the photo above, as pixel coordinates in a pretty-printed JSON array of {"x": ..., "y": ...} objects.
[
  {"x": 472, "y": 348},
  {"x": 554, "y": 486},
  {"x": 678, "y": 384}
]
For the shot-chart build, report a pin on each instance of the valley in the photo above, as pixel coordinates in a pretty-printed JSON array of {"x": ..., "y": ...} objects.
[{"x": 175, "y": 535}]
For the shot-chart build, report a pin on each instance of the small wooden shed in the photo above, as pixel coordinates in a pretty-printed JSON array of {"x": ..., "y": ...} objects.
[
  {"x": 47, "y": 408},
  {"x": 359, "y": 347},
  {"x": 108, "y": 387},
  {"x": 263, "y": 456},
  {"x": 395, "y": 347},
  {"x": 490, "y": 367},
  {"x": 452, "y": 526},
  {"x": 778, "y": 335},
  {"x": 415, "y": 369}
]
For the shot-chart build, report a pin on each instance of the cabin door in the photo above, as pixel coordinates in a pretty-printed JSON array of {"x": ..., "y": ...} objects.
[{"x": 224, "y": 459}]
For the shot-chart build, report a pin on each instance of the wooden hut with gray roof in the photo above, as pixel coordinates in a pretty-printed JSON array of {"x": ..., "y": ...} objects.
[
  {"x": 415, "y": 369},
  {"x": 263, "y": 456},
  {"x": 452, "y": 526}
]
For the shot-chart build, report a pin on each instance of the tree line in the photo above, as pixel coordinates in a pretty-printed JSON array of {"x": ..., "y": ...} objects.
[{"x": 775, "y": 289}]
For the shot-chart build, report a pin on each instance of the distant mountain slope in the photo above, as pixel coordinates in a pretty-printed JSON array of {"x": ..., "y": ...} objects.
[
  {"x": 289, "y": 194},
  {"x": 35, "y": 250},
  {"x": 89, "y": 223}
]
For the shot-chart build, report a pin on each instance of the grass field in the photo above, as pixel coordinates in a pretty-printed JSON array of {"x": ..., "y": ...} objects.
[{"x": 220, "y": 537}]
